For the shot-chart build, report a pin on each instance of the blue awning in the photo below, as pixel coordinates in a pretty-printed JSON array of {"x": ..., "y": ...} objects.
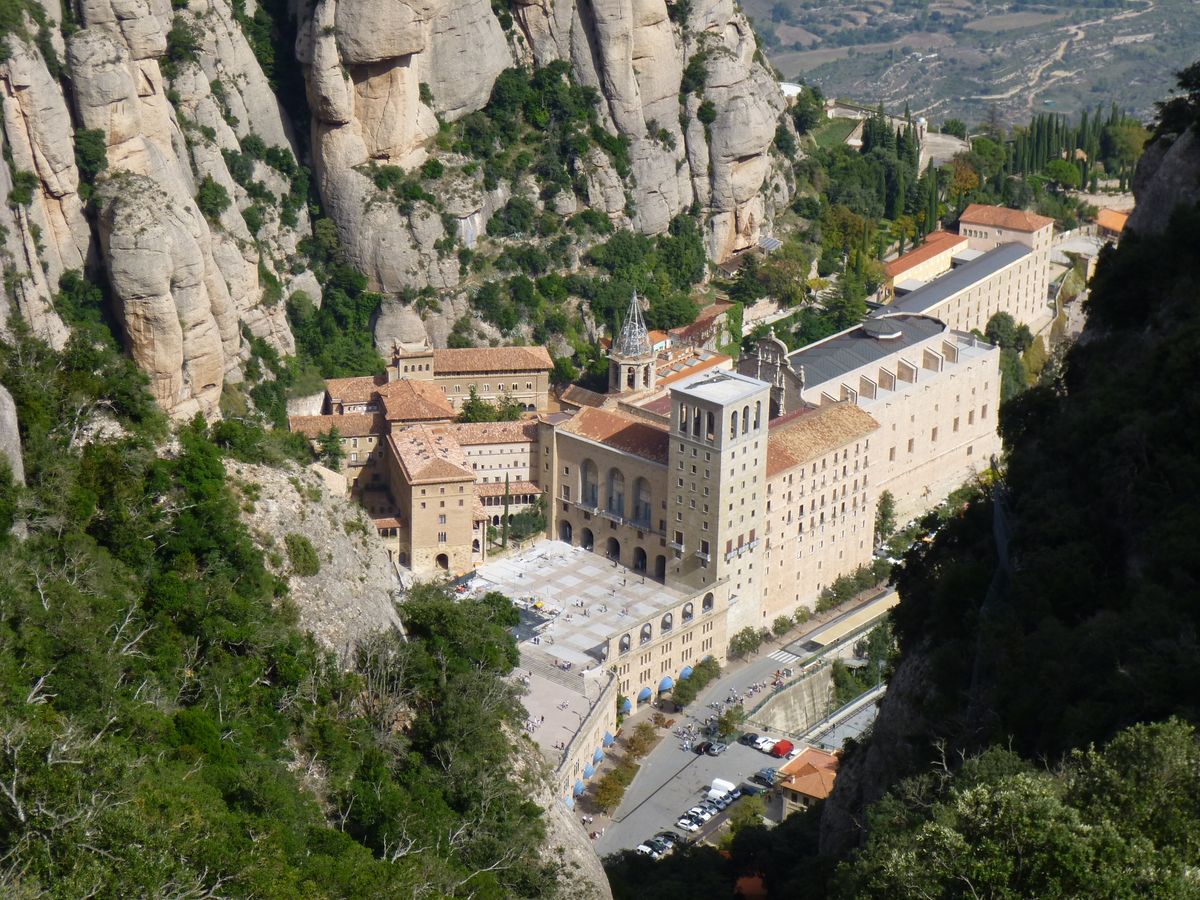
[
  {"x": 685, "y": 673},
  {"x": 626, "y": 705},
  {"x": 598, "y": 755},
  {"x": 569, "y": 801},
  {"x": 644, "y": 694},
  {"x": 608, "y": 738},
  {"x": 589, "y": 770},
  {"x": 579, "y": 787},
  {"x": 666, "y": 684}
]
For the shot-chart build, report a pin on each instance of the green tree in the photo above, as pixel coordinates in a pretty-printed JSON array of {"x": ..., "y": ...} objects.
[
  {"x": 782, "y": 625},
  {"x": 329, "y": 449},
  {"x": 746, "y": 812},
  {"x": 212, "y": 198},
  {"x": 956, "y": 127},
  {"x": 745, "y": 642},
  {"x": 1063, "y": 173},
  {"x": 885, "y": 517},
  {"x": 302, "y": 555},
  {"x": 730, "y": 720}
]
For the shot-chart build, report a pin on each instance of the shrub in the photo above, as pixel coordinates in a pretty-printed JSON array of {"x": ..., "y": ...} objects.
[
  {"x": 91, "y": 155},
  {"x": 212, "y": 198},
  {"x": 432, "y": 168},
  {"x": 302, "y": 555},
  {"x": 707, "y": 113},
  {"x": 23, "y": 185}
]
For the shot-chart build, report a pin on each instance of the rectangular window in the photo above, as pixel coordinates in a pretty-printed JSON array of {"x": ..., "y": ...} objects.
[
  {"x": 441, "y": 537},
  {"x": 442, "y": 519},
  {"x": 911, "y": 443},
  {"x": 892, "y": 455},
  {"x": 933, "y": 435}
]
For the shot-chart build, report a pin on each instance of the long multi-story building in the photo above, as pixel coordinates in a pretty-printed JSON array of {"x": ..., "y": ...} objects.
[
  {"x": 933, "y": 390},
  {"x": 998, "y": 262}
]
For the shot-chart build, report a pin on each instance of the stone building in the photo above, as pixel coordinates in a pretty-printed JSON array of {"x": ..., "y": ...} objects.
[
  {"x": 821, "y": 498},
  {"x": 934, "y": 390}
]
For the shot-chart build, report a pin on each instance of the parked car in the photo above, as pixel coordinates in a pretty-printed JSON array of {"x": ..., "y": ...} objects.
[
  {"x": 736, "y": 793},
  {"x": 701, "y": 813},
  {"x": 655, "y": 849},
  {"x": 716, "y": 748},
  {"x": 722, "y": 803},
  {"x": 782, "y": 748},
  {"x": 762, "y": 741},
  {"x": 796, "y": 752},
  {"x": 669, "y": 837},
  {"x": 748, "y": 739},
  {"x": 767, "y": 746},
  {"x": 750, "y": 790},
  {"x": 702, "y": 747},
  {"x": 687, "y": 823}
]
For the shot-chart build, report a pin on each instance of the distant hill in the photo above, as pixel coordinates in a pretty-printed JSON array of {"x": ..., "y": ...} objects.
[{"x": 954, "y": 59}]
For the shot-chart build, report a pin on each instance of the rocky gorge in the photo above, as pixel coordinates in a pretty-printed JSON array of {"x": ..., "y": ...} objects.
[{"x": 164, "y": 150}]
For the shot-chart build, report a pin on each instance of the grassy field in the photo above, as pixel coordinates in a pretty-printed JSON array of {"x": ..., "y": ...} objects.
[{"x": 834, "y": 132}]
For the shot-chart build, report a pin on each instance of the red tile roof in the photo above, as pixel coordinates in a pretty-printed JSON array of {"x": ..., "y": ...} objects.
[
  {"x": 807, "y": 434},
  {"x": 407, "y": 400},
  {"x": 426, "y": 455},
  {"x": 1112, "y": 220},
  {"x": 574, "y": 395},
  {"x": 500, "y": 360},
  {"x": 471, "y": 433},
  {"x": 935, "y": 243},
  {"x": 621, "y": 432},
  {"x": 350, "y": 425},
  {"x": 359, "y": 389},
  {"x": 812, "y": 773},
  {"x": 1002, "y": 217},
  {"x": 496, "y": 489}
]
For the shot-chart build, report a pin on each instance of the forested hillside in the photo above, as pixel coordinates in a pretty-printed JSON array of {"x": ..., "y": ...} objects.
[{"x": 166, "y": 730}]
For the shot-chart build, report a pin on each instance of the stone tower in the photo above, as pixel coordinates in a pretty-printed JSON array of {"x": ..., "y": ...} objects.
[{"x": 631, "y": 363}]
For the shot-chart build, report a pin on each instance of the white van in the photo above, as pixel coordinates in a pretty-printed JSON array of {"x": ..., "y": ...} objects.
[{"x": 719, "y": 788}]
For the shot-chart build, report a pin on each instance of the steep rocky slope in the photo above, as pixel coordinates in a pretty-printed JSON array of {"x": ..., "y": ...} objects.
[{"x": 148, "y": 146}]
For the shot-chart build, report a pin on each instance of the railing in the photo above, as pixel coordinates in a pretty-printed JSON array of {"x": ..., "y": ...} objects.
[{"x": 744, "y": 548}]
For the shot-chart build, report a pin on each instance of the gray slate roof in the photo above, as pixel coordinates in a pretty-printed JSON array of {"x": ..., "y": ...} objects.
[
  {"x": 832, "y": 358},
  {"x": 957, "y": 280}
]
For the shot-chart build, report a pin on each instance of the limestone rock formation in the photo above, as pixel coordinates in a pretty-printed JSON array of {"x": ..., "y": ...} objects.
[
  {"x": 170, "y": 298},
  {"x": 377, "y": 71},
  {"x": 352, "y": 596},
  {"x": 46, "y": 234},
  {"x": 10, "y": 436},
  {"x": 1168, "y": 175}
]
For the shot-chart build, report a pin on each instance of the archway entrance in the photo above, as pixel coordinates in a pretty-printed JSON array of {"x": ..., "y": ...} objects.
[
  {"x": 660, "y": 568},
  {"x": 613, "y": 549},
  {"x": 586, "y": 541},
  {"x": 443, "y": 562},
  {"x": 564, "y": 532},
  {"x": 639, "y": 559}
]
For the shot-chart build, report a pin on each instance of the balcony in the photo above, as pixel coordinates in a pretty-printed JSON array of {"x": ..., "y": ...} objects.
[
  {"x": 675, "y": 546},
  {"x": 707, "y": 557},
  {"x": 744, "y": 548}
]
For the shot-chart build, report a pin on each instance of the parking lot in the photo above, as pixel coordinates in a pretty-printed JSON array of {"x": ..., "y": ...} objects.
[{"x": 671, "y": 783}]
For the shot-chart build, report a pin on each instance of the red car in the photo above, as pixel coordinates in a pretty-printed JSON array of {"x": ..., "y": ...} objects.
[{"x": 782, "y": 748}]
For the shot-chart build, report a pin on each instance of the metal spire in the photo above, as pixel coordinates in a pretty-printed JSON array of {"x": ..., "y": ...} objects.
[{"x": 633, "y": 340}]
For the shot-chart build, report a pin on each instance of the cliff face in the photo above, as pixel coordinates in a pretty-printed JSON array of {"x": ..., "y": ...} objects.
[{"x": 199, "y": 208}]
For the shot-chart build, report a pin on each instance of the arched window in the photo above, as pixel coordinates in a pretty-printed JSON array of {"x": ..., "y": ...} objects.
[
  {"x": 707, "y": 605},
  {"x": 745, "y": 418},
  {"x": 642, "y": 507},
  {"x": 616, "y": 492},
  {"x": 710, "y": 432},
  {"x": 683, "y": 418},
  {"x": 625, "y": 644},
  {"x": 589, "y": 484},
  {"x": 757, "y": 413},
  {"x": 647, "y": 633},
  {"x": 668, "y": 622},
  {"x": 689, "y": 612},
  {"x": 733, "y": 424}
]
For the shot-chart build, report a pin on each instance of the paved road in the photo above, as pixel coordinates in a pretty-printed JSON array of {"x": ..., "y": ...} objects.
[{"x": 670, "y": 779}]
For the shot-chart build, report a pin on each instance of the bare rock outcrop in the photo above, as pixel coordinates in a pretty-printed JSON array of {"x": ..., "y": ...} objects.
[
  {"x": 170, "y": 298},
  {"x": 378, "y": 71},
  {"x": 353, "y": 595},
  {"x": 45, "y": 233},
  {"x": 1168, "y": 176},
  {"x": 10, "y": 436}
]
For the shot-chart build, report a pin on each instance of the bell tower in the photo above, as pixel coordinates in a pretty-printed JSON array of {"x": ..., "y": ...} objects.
[{"x": 631, "y": 364}]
